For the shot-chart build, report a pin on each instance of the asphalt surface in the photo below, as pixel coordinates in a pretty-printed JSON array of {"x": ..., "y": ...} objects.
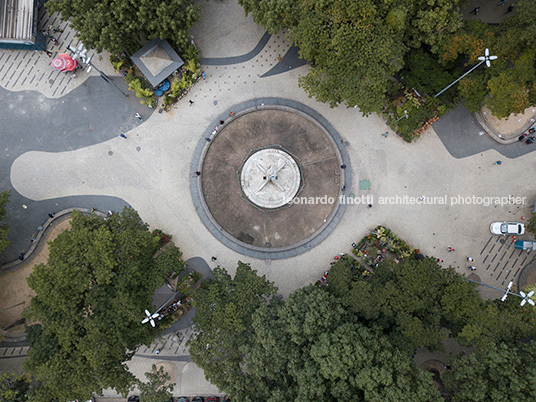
[
  {"x": 93, "y": 113},
  {"x": 462, "y": 136}
]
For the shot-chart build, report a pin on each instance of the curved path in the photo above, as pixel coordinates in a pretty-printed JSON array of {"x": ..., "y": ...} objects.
[
  {"x": 92, "y": 113},
  {"x": 152, "y": 170}
]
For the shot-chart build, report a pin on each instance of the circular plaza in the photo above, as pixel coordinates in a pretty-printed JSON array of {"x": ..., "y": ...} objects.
[{"x": 270, "y": 181}]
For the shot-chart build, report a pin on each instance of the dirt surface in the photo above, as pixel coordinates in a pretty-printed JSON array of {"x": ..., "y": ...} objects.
[
  {"x": 320, "y": 168},
  {"x": 15, "y": 294}
]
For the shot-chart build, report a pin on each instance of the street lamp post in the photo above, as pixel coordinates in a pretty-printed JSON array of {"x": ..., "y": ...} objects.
[
  {"x": 81, "y": 53},
  {"x": 526, "y": 297},
  {"x": 483, "y": 59},
  {"x": 405, "y": 115}
]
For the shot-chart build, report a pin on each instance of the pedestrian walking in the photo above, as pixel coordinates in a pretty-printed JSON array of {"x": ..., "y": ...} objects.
[
  {"x": 40, "y": 228},
  {"x": 450, "y": 249},
  {"x": 21, "y": 256},
  {"x": 509, "y": 9},
  {"x": 138, "y": 116},
  {"x": 197, "y": 173},
  {"x": 73, "y": 76},
  {"x": 123, "y": 136},
  {"x": 231, "y": 113},
  {"x": 343, "y": 188},
  {"x": 213, "y": 258},
  {"x": 51, "y": 214},
  {"x": 439, "y": 260},
  {"x": 474, "y": 10},
  {"x": 204, "y": 75},
  {"x": 49, "y": 54},
  {"x": 469, "y": 259},
  {"x": 191, "y": 102},
  {"x": 207, "y": 139},
  {"x": 343, "y": 166},
  {"x": 472, "y": 268},
  {"x": 157, "y": 351},
  {"x": 221, "y": 122},
  {"x": 498, "y": 163},
  {"x": 370, "y": 205}
]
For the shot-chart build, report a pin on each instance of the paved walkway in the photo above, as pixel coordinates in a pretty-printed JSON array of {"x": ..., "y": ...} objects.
[{"x": 152, "y": 169}]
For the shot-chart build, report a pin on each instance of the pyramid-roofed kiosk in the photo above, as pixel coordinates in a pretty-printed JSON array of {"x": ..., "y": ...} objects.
[{"x": 157, "y": 60}]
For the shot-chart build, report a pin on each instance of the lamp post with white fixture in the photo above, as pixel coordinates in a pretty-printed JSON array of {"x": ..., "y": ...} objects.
[{"x": 483, "y": 59}]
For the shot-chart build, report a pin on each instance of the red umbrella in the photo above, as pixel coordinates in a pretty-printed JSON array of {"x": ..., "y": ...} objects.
[{"x": 64, "y": 62}]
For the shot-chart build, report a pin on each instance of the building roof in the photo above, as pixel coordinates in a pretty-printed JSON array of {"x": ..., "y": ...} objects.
[
  {"x": 17, "y": 20},
  {"x": 157, "y": 60}
]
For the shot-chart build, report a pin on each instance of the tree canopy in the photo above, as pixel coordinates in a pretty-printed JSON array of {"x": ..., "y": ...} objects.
[
  {"x": 351, "y": 339},
  {"x": 411, "y": 301},
  {"x": 501, "y": 372},
  {"x": 15, "y": 387},
  {"x": 260, "y": 348},
  {"x": 119, "y": 25},
  {"x": 4, "y": 228},
  {"x": 223, "y": 320},
  {"x": 90, "y": 298},
  {"x": 310, "y": 348},
  {"x": 155, "y": 389},
  {"x": 356, "y": 47}
]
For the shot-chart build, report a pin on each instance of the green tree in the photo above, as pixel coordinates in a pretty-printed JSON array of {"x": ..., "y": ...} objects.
[
  {"x": 356, "y": 47},
  {"x": 14, "y": 387},
  {"x": 223, "y": 322},
  {"x": 89, "y": 301},
  {"x": 501, "y": 372},
  {"x": 4, "y": 228},
  {"x": 424, "y": 73},
  {"x": 118, "y": 25},
  {"x": 170, "y": 260},
  {"x": 510, "y": 83},
  {"x": 310, "y": 348},
  {"x": 156, "y": 390},
  {"x": 531, "y": 225}
]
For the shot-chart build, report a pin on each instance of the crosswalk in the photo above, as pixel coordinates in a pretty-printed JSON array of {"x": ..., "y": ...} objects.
[
  {"x": 502, "y": 261},
  {"x": 12, "y": 352},
  {"x": 173, "y": 344}
]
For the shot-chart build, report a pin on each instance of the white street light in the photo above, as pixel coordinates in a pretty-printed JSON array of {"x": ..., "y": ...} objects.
[
  {"x": 405, "y": 115},
  {"x": 150, "y": 318},
  {"x": 507, "y": 291},
  {"x": 486, "y": 58},
  {"x": 527, "y": 297}
]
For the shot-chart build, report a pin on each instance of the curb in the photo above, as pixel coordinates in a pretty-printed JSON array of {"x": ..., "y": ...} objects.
[
  {"x": 37, "y": 244},
  {"x": 495, "y": 135}
]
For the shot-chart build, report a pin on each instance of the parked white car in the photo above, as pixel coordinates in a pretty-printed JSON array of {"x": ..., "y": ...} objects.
[{"x": 507, "y": 228}]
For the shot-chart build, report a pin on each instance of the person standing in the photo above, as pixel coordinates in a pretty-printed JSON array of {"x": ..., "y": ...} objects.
[{"x": 474, "y": 10}]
